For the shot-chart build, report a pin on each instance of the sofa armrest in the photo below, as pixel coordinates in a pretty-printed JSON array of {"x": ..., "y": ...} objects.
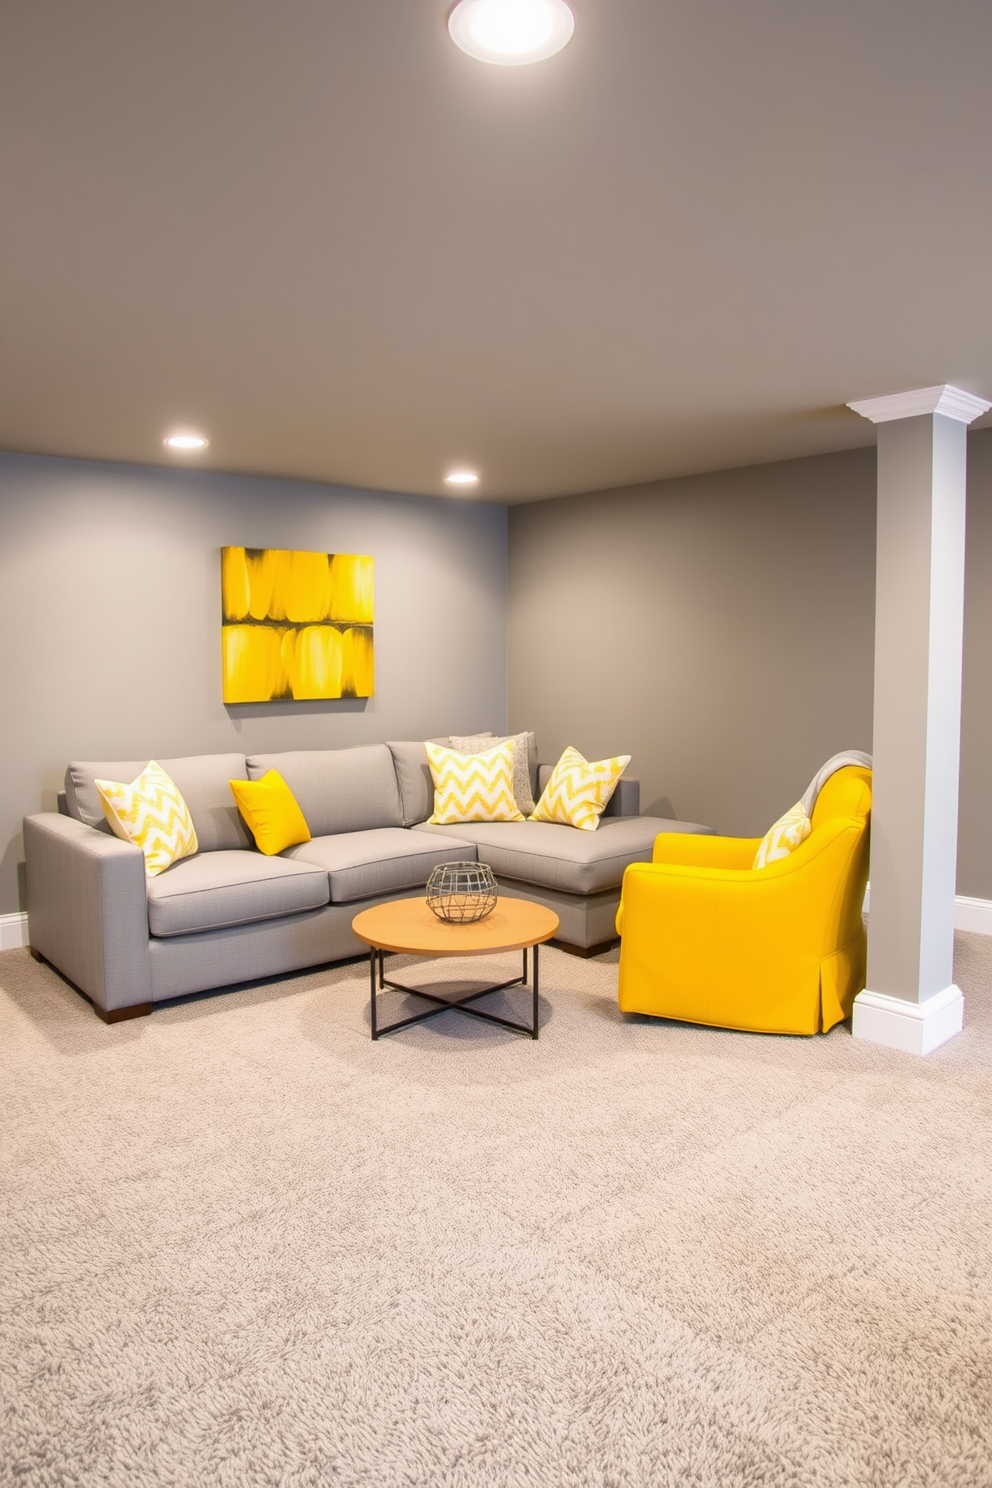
[
  {"x": 87, "y": 908},
  {"x": 625, "y": 800}
]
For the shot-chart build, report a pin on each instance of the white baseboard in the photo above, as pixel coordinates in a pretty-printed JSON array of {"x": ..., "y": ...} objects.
[
  {"x": 973, "y": 915},
  {"x": 13, "y": 931},
  {"x": 913, "y": 1027}
]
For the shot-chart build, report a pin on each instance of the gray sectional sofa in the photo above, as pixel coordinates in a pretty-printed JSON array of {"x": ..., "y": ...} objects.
[{"x": 230, "y": 914}]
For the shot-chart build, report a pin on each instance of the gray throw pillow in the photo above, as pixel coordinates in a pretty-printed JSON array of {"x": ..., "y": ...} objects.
[{"x": 524, "y": 761}]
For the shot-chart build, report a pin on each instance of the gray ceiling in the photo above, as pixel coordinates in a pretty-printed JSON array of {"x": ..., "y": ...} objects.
[{"x": 316, "y": 230}]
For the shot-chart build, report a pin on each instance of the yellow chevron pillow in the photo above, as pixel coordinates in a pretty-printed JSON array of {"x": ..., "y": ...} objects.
[
  {"x": 472, "y": 787},
  {"x": 578, "y": 791},
  {"x": 151, "y": 813},
  {"x": 783, "y": 837},
  {"x": 524, "y": 750}
]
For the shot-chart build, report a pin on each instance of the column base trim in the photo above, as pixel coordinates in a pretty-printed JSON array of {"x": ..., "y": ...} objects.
[{"x": 913, "y": 1027}]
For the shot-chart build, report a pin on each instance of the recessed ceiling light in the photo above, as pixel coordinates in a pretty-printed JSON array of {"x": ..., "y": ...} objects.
[
  {"x": 461, "y": 478},
  {"x": 510, "y": 33},
  {"x": 186, "y": 441}
]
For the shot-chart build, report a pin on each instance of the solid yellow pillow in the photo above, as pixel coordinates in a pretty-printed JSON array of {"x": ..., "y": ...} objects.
[
  {"x": 472, "y": 787},
  {"x": 151, "y": 813},
  {"x": 271, "y": 811},
  {"x": 783, "y": 837},
  {"x": 579, "y": 790}
]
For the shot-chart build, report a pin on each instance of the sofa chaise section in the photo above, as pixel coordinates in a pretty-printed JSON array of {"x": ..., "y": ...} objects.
[{"x": 576, "y": 874}]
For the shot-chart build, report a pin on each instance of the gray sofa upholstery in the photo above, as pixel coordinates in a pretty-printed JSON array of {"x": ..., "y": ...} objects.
[
  {"x": 230, "y": 914},
  {"x": 576, "y": 874}
]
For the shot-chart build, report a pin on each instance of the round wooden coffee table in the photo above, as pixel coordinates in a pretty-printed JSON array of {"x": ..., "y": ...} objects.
[{"x": 408, "y": 927}]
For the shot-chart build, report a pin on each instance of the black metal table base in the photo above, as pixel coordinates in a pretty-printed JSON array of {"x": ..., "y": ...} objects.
[{"x": 458, "y": 1004}]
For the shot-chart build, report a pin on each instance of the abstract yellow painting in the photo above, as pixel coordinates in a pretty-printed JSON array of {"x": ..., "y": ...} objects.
[{"x": 296, "y": 625}]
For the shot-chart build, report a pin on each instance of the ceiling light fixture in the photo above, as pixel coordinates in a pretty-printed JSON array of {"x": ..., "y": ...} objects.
[
  {"x": 461, "y": 478},
  {"x": 185, "y": 441},
  {"x": 510, "y": 33}
]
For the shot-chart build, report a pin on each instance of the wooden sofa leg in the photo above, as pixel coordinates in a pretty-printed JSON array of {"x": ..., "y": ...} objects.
[
  {"x": 585, "y": 952},
  {"x": 115, "y": 1015},
  {"x": 120, "y": 1015}
]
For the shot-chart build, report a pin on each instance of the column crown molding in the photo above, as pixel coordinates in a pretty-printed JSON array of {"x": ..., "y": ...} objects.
[{"x": 951, "y": 401}]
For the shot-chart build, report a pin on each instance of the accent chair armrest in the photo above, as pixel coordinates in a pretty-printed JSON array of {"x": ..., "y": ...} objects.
[
  {"x": 88, "y": 909},
  {"x": 704, "y": 850}
]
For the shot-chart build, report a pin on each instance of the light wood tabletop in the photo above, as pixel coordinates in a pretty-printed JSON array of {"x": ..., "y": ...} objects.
[{"x": 409, "y": 926}]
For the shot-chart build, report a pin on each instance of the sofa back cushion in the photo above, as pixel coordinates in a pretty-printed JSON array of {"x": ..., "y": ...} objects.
[
  {"x": 414, "y": 778},
  {"x": 338, "y": 790},
  {"x": 202, "y": 780}
]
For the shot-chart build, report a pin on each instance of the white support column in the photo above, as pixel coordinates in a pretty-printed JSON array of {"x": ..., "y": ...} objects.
[{"x": 911, "y": 1002}]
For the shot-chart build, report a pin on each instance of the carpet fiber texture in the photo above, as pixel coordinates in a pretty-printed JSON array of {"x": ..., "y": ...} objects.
[{"x": 244, "y": 1245}]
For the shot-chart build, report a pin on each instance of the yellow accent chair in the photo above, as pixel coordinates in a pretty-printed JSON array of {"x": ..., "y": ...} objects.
[{"x": 707, "y": 938}]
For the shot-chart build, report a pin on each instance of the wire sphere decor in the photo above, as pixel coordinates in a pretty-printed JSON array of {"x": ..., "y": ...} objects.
[{"x": 462, "y": 892}]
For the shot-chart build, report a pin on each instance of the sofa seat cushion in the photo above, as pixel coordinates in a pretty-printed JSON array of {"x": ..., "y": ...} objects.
[
  {"x": 218, "y": 889},
  {"x": 558, "y": 857},
  {"x": 384, "y": 860}
]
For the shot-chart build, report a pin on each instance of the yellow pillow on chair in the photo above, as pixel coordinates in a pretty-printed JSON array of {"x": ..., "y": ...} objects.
[
  {"x": 783, "y": 837},
  {"x": 271, "y": 812}
]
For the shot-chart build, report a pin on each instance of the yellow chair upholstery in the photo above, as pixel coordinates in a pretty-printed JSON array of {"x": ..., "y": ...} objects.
[{"x": 706, "y": 938}]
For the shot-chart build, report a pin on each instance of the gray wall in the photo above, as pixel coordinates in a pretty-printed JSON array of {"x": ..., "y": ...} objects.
[
  {"x": 720, "y": 629},
  {"x": 110, "y": 617}
]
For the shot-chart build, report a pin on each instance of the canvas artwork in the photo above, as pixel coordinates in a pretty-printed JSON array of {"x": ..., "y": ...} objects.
[{"x": 296, "y": 625}]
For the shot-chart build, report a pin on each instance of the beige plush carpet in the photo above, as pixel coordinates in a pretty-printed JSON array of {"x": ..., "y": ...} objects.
[{"x": 243, "y": 1245}]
